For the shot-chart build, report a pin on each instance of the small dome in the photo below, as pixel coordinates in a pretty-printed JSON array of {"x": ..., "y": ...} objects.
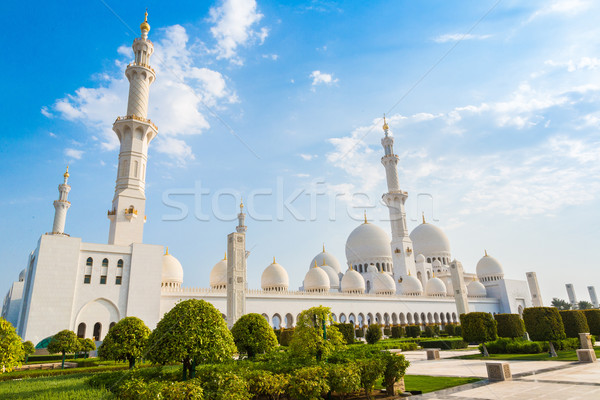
[
  {"x": 22, "y": 276},
  {"x": 436, "y": 264},
  {"x": 334, "y": 278},
  {"x": 411, "y": 286},
  {"x": 367, "y": 243},
  {"x": 430, "y": 241},
  {"x": 316, "y": 280},
  {"x": 420, "y": 259},
  {"x": 218, "y": 275},
  {"x": 435, "y": 287},
  {"x": 383, "y": 283},
  {"x": 476, "y": 289},
  {"x": 274, "y": 277},
  {"x": 327, "y": 259},
  {"x": 172, "y": 271},
  {"x": 353, "y": 282},
  {"x": 489, "y": 266}
]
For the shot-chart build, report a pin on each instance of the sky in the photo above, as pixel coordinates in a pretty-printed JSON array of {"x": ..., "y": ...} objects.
[{"x": 493, "y": 106}]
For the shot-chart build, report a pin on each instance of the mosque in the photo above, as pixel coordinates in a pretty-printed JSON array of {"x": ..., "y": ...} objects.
[{"x": 87, "y": 287}]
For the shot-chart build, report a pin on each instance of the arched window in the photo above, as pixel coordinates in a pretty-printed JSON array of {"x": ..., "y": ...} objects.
[
  {"x": 368, "y": 286},
  {"x": 105, "y": 262},
  {"x": 428, "y": 275},
  {"x": 97, "y": 331},
  {"x": 120, "y": 264},
  {"x": 81, "y": 330},
  {"x": 428, "y": 259},
  {"x": 89, "y": 262},
  {"x": 111, "y": 325}
]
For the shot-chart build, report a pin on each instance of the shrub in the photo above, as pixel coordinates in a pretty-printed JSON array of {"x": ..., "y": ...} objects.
[
  {"x": 513, "y": 346},
  {"x": 413, "y": 331},
  {"x": 265, "y": 383},
  {"x": 308, "y": 341},
  {"x": 308, "y": 383},
  {"x": 343, "y": 379},
  {"x": 445, "y": 344},
  {"x": 277, "y": 333},
  {"x": 359, "y": 333},
  {"x": 431, "y": 331},
  {"x": 253, "y": 335},
  {"x": 373, "y": 334},
  {"x": 395, "y": 367},
  {"x": 189, "y": 390},
  {"x": 125, "y": 341},
  {"x": 510, "y": 325},
  {"x": 221, "y": 383},
  {"x": 449, "y": 329},
  {"x": 138, "y": 389},
  {"x": 370, "y": 370},
  {"x": 387, "y": 331},
  {"x": 593, "y": 320},
  {"x": 11, "y": 348},
  {"x": 574, "y": 322},
  {"x": 285, "y": 337},
  {"x": 397, "y": 331},
  {"x": 543, "y": 323},
  {"x": 457, "y": 330},
  {"x": 347, "y": 331},
  {"x": 63, "y": 342},
  {"x": 478, "y": 327}
]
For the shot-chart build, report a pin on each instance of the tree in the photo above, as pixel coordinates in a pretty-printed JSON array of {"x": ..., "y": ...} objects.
[
  {"x": 478, "y": 327},
  {"x": 510, "y": 325},
  {"x": 192, "y": 332},
  {"x": 253, "y": 335},
  {"x": 585, "y": 305},
  {"x": 315, "y": 336},
  {"x": 86, "y": 345},
  {"x": 28, "y": 349},
  {"x": 11, "y": 348},
  {"x": 544, "y": 324},
  {"x": 574, "y": 323},
  {"x": 395, "y": 367},
  {"x": 560, "y": 304},
  {"x": 373, "y": 334},
  {"x": 63, "y": 342},
  {"x": 125, "y": 341},
  {"x": 593, "y": 320}
]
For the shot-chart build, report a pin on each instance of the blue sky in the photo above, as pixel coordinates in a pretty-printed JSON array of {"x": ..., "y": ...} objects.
[{"x": 494, "y": 107}]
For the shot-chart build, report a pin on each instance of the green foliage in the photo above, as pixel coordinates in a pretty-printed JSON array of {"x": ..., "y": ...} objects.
[
  {"x": 457, "y": 330},
  {"x": 343, "y": 379},
  {"x": 347, "y": 331},
  {"x": 86, "y": 344},
  {"x": 64, "y": 342},
  {"x": 359, "y": 333},
  {"x": 192, "y": 330},
  {"x": 450, "y": 329},
  {"x": 505, "y": 345},
  {"x": 387, "y": 331},
  {"x": 189, "y": 390},
  {"x": 561, "y": 304},
  {"x": 543, "y": 323},
  {"x": 28, "y": 348},
  {"x": 510, "y": 325},
  {"x": 444, "y": 344},
  {"x": 266, "y": 383},
  {"x": 11, "y": 348},
  {"x": 286, "y": 336},
  {"x": 397, "y": 332},
  {"x": 593, "y": 320},
  {"x": 308, "y": 383},
  {"x": 223, "y": 383},
  {"x": 585, "y": 305},
  {"x": 413, "y": 331},
  {"x": 139, "y": 389},
  {"x": 574, "y": 322},
  {"x": 431, "y": 331},
  {"x": 373, "y": 334},
  {"x": 370, "y": 370},
  {"x": 478, "y": 327},
  {"x": 126, "y": 341},
  {"x": 253, "y": 335},
  {"x": 395, "y": 367},
  {"x": 308, "y": 341}
]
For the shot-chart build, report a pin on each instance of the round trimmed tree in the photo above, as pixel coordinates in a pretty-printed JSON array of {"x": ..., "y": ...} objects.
[
  {"x": 125, "y": 341},
  {"x": 192, "y": 332},
  {"x": 253, "y": 335},
  {"x": 574, "y": 322},
  {"x": 478, "y": 327},
  {"x": 28, "y": 349},
  {"x": 593, "y": 320},
  {"x": 315, "y": 336},
  {"x": 544, "y": 324},
  {"x": 373, "y": 334},
  {"x": 63, "y": 342},
  {"x": 11, "y": 348},
  {"x": 510, "y": 325}
]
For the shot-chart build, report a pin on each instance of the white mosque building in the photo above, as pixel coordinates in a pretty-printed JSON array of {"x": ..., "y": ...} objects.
[{"x": 87, "y": 287}]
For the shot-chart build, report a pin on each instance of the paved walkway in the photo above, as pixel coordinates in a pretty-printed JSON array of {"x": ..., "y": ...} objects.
[{"x": 531, "y": 379}]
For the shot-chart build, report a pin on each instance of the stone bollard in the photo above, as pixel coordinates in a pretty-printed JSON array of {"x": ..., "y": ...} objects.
[
  {"x": 586, "y": 355},
  {"x": 586, "y": 341},
  {"x": 433, "y": 354},
  {"x": 498, "y": 371}
]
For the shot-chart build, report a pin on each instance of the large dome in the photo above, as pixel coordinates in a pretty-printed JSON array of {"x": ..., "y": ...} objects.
[
  {"x": 435, "y": 287},
  {"x": 368, "y": 243},
  {"x": 430, "y": 241},
  {"x": 218, "y": 275},
  {"x": 489, "y": 267},
  {"x": 353, "y": 282},
  {"x": 172, "y": 271},
  {"x": 316, "y": 280},
  {"x": 383, "y": 283},
  {"x": 411, "y": 286},
  {"x": 476, "y": 289},
  {"x": 327, "y": 259},
  {"x": 274, "y": 277}
]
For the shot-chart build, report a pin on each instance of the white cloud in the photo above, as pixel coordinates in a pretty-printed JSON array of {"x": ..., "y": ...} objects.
[
  {"x": 176, "y": 98},
  {"x": 46, "y": 113},
  {"x": 52, "y": 134},
  {"x": 589, "y": 63},
  {"x": 561, "y": 7},
  {"x": 273, "y": 57},
  {"x": 234, "y": 21},
  {"x": 302, "y": 175},
  {"x": 308, "y": 157},
  {"x": 455, "y": 37},
  {"x": 321, "y": 78},
  {"x": 73, "y": 153}
]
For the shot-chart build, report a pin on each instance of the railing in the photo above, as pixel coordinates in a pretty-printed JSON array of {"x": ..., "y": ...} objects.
[
  {"x": 132, "y": 116},
  {"x": 136, "y": 64}
]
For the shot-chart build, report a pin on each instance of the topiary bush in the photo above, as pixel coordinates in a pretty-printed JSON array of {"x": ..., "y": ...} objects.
[
  {"x": 449, "y": 329},
  {"x": 593, "y": 320},
  {"x": 574, "y": 322},
  {"x": 445, "y": 344},
  {"x": 373, "y": 334},
  {"x": 413, "y": 331},
  {"x": 308, "y": 383},
  {"x": 286, "y": 336},
  {"x": 510, "y": 325},
  {"x": 397, "y": 332},
  {"x": 315, "y": 336},
  {"x": 223, "y": 382},
  {"x": 431, "y": 331},
  {"x": 266, "y": 384},
  {"x": 126, "y": 341},
  {"x": 370, "y": 370},
  {"x": 387, "y": 331},
  {"x": 347, "y": 331},
  {"x": 513, "y": 346},
  {"x": 359, "y": 333},
  {"x": 395, "y": 367},
  {"x": 343, "y": 379},
  {"x": 253, "y": 335},
  {"x": 11, "y": 347},
  {"x": 478, "y": 327},
  {"x": 544, "y": 324}
]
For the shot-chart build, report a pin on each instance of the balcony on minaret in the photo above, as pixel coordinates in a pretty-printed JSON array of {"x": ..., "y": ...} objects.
[{"x": 131, "y": 213}]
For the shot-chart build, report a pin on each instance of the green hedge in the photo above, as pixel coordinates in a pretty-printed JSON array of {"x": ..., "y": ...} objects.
[
  {"x": 574, "y": 322},
  {"x": 510, "y": 325},
  {"x": 387, "y": 331},
  {"x": 593, "y": 320},
  {"x": 520, "y": 346},
  {"x": 543, "y": 323},
  {"x": 431, "y": 331},
  {"x": 478, "y": 327},
  {"x": 450, "y": 329},
  {"x": 373, "y": 334},
  {"x": 397, "y": 332},
  {"x": 445, "y": 344},
  {"x": 285, "y": 336},
  {"x": 347, "y": 330},
  {"x": 413, "y": 331},
  {"x": 359, "y": 333}
]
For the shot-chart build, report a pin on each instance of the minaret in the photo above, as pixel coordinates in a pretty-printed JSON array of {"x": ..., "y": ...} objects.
[
  {"x": 135, "y": 132},
  {"x": 241, "y": 228},
  {"x": 403, "y": 259},
  {"x": 61, "y": 206},
  {"x": 236, "y": 271},
  {"x": 460, "y": 289}
]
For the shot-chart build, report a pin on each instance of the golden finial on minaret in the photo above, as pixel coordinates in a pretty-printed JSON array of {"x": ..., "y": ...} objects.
[
  {"x": 385, "y": 125},
  {"x": 366, "y": 222},
  {"x": 167, "y": 251},
  {"x": 66, "y": 174},
  {"x": 225, "y": 257},
  {"x": 423, "y": 214},
  {"x": 486, "y": 254},
  {"x": 241, "y": 204},
  {"x": 274, "y": 262},
  {"x": 145, "y": 26}
]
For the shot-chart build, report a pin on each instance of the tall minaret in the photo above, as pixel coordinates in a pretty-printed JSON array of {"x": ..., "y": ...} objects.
[
  {"x": 236, "y": 271},
  {"x": 135, "y": 132},
  {"x": 61, "y": 206},
  {"x": 403, "y": 258},
  {"x": 241, "y": 228}
]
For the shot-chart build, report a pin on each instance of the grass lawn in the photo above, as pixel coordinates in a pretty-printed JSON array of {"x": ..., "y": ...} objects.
[
  {"x": 567, "y": 355},
  {"x": 428, "y": 384},
  {"x": 56, "y": 387}
]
